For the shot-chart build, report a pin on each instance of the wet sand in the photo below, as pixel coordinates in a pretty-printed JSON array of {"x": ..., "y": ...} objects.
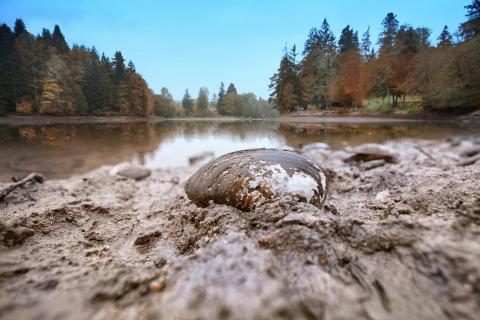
[{"x": 398, "y": 241}]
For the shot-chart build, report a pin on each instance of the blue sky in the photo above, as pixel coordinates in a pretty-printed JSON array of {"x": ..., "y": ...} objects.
[{"x": 189, "y": 44}]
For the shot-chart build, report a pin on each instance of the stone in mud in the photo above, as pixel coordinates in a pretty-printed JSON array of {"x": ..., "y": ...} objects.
[
  {"x": 372, "y": 164},
  {"x": 200, "y": 157},
  {"x": 135, "y": 173},
  {"x": 369, "y": 152},
  {"x": 248, "y": 178},
  {"x": 470, "y": 151},
  {"x": 469, "y": 161}
]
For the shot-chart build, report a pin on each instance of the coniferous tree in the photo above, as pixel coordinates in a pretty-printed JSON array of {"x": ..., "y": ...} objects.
[
  {"x": 326, "y": 38},
  {"x": 7, "y": 69},
  {"x": 348, "y": 40},
  {"x": 445, "y": 39},
  {"x": 164, "y": 105},
  {"x": 106, "y": 84},
  {"x": 221, "y": 99},
  {"x": 47, "y": 36},
  {"x": 131, "y": 67},
  {"x": 231, "y": 89},
  {"x": 202, "y": 101},
  {"x": 312, "y": 41},
  {"x": 187, "y": 103},
  {"x": 214, "y": 102},
  {"x": 366, "y": 49},
  {"x": 19, "y": 28},
  {"x": 41, "y": 74},
  {"x": 58, "y": 40},
  {"x": 471, "y": 28},
  {"x": 285, "y": 84},
  {"x": 122, "y": 98},
  {"x": 119, "y": 66},
  {"x": 388, "y": 35}
]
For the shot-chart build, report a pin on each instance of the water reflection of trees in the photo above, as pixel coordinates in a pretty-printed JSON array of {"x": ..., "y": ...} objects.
[
  {"x": 240, "y": 129},
  {"x": 298, "y": 134},
  {"x": 63, "y": 150}
]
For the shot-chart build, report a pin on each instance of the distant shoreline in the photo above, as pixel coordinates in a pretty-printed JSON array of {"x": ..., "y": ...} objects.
[{"x": 291, "y": 118}]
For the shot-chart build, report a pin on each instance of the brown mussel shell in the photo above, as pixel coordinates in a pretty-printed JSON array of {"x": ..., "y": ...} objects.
[{"x": 246, "y": 179}]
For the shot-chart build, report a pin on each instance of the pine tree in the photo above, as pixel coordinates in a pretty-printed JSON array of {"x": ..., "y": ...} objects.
[
  {"x": 19, "y": 28},
  {"x": 58, "y": 40},
  {"x": 326, "y": 39},
  {"x": 285, "y": 84},
  {"x": 471, "y": 28},
  {"x": 47, "y": 37},
  {"x": 122, "y": 98},
  {"x": 93, "y": 89},
  {"x": 7, "y": 70},
  {"x": 106, "y": 84},
  {"x": 221, "y": 99},
  {"x": 119, "y": 66},
  {"x": 231, "y": 89},
  {"x": 131, "y": 67},
  {"x": 187, "y": 103},
  {"x": 366, "y": 49},
  {"x": 348, "y": 40},
  {"x": 312, "y": 41},
  {"x": 202, "y": 101},
  {"x": 214, "y": 102},
  {"x": 445, "y": 39},
  {"x": 23, "y": 58},
  {"x": 388, "y": 35}
]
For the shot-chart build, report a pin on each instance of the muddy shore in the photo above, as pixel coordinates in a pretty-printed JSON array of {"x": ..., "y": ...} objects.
[
  {"x": 396, "y": 240},
  {"x": 319, "y": 117}
]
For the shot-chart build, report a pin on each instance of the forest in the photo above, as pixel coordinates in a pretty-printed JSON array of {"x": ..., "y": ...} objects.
[
  {"x": 403, "y": 69},
  {"x": 42, "y": 75}
]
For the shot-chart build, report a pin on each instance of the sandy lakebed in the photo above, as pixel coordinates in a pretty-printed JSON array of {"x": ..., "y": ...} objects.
[{"x": 395, "y": 240}]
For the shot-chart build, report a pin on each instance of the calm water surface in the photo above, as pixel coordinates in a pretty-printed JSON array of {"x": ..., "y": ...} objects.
[{"x": 60, "y": 151}]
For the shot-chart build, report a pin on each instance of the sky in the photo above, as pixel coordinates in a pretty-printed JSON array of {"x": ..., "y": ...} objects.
[{"x": 191, "y": 44}]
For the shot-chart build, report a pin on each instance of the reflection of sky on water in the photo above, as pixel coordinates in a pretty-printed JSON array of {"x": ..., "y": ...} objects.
[
  {"x": 175, "y": 152},
  {"x": 60, "y": 151}
]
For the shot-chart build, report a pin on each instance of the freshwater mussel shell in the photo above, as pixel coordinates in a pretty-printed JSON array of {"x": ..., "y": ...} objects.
[{"x": 245, "y": 179}]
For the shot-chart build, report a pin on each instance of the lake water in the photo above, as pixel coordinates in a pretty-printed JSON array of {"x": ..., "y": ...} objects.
[{"x": 60, "y": 151}]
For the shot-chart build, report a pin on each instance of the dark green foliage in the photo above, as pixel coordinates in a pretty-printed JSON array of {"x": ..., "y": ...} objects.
[
  {"x": 58, "y": 40},
  {"x": 231, "y": 89},
  {"x": 19, "y": 27},
  {"x": 119, "y": 66},
  {"x": 131, "y": 67},
  {"x": 388, "y": 35},
  {"x": 43, "y": 75},
  {"x": 187, "y": 103},
  {"x": 325, "y": 38},
  {"x": 202, "y": 101},
  {"x": 221, "y": 98},
  {"x": 348, "y": 40},
  {"x": 366, "y": 49},
  {"x": 7, "y": 41},
  {"x": 163, "y": 104},
  {"x": 285, "y": 84},
  {"x": 445, "y": 39},
  {"x": 471, "y": 28}
]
